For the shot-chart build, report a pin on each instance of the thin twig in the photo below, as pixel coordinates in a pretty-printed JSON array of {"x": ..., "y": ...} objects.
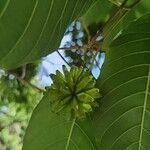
[
  {"x": 63, "y": 58},
  {"x": 28, "y": 84},
  {"x": 72, "y": 47},
  {"x": 97, "y": 64}
]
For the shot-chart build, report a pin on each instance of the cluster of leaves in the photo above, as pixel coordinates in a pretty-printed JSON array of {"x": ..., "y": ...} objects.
[
  {"x": 11, "y": 88},
  {"x": 17, "y": 102}
]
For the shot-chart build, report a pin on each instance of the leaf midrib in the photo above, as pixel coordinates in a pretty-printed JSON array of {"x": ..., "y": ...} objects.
[
  {"x": 144, "y": 108},
  {"x": 70, "y": 134},
  {"x": 73, "y": 124}
]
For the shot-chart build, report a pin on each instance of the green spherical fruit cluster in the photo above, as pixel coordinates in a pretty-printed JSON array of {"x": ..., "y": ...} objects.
[{"x": 72, "y": 92}]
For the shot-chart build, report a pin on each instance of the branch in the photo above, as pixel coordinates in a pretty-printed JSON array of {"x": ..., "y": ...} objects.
[
  {"x": 70, "y": 48},
  {"x": 28, "y": 84},
  {"x": 23, "y": 71}
]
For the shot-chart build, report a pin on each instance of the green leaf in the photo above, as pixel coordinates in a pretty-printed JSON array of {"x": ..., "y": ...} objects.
[
  {"x": 31, "y": 29},
  {"x": 98, "y": 13},
  {"x": 48, "y": 131},
  {"x": 123, "y": 120}
]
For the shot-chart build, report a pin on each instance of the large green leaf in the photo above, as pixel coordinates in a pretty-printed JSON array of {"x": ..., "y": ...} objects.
[
  {"x": 48, "y": 131},
  {"x": 123, "y": 120},
  {"x": 30, "y": 29}
]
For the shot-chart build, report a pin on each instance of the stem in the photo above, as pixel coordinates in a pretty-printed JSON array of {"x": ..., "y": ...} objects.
[
  {"x": 113, "y": 22},
  {"x": 107, "y": 33},
  {"x": 70, "y": 134}
]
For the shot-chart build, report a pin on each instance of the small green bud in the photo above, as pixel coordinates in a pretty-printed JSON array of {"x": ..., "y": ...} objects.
[{"x": 73, "y": 93}]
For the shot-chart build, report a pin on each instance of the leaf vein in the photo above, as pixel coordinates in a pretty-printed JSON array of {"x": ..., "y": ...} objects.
[
  {"x": 42, "y": 31},
  {"x": 129, "y": 81},
  {"x": 22, "y": 35},
  {"x": 130, "y": 129},
  {"x": 5, "y": 8},
  {"x": 131, "y": 145},
  {"x": 112, "y": 75},
  {"x": 121, "y": 100},
  {"x": 119, "y": 117}
]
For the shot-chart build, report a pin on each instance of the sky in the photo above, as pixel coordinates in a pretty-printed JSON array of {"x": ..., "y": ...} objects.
[
  {"x": 54, "y": 62},
  {"x": 51, "y": 63}
]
